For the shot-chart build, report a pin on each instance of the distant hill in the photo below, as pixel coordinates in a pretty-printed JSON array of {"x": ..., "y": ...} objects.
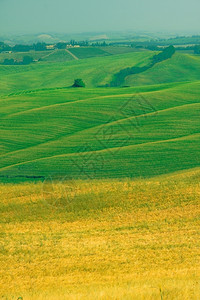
[
  {"x": 99, "y": 37},
  {"x": 45, "y": 38}
]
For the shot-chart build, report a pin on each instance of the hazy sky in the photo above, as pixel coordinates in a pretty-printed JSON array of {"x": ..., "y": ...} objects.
[{"x": 33, "y": 16}]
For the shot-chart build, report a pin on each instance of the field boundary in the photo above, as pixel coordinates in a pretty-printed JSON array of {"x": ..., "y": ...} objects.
[{"x": 74, "y": 56}]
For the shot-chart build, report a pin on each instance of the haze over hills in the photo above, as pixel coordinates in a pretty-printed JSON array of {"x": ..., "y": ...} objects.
[{"x": 100, "y": 16}]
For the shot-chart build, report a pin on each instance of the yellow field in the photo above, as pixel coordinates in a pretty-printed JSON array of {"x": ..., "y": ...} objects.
[{"x": 101, "y": 239}]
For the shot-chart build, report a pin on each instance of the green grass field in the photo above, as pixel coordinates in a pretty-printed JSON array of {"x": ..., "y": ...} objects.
[
  {"x": 57, "y": 56},
  {"x": 134, "y": 132},
  {"x": 99, "y": 186},
  {"x": 94, "y": 71},
  {"x": 182, "y": 67},
  {"x": 140, "y": 131},
  {"x": 120, "y": 50},
  {"x": 86, "y": 52}
]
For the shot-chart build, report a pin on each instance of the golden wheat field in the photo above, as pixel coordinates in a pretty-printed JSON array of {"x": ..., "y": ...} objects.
[{"x": 101, "y": 239}]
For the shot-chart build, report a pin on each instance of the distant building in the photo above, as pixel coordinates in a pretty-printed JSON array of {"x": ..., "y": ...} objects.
[
  {"x": 50, "y": 47},
  {"x": 73, "y": 46}
]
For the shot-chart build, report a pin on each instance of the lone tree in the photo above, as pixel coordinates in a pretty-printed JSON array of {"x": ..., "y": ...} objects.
[{"x": 78, "y": 83}]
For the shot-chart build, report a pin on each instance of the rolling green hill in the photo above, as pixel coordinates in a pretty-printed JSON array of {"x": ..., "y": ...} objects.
[
  {"x": 97, "y": 133},
  {"x": 140, "y": 131},
  {"x": 94, "y": 71},
  {"x": 181, "y": 67}
]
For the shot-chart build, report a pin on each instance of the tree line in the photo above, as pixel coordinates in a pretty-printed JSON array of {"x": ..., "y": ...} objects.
[
  {"x": 25, "y": 61},
  {"x": 119, "y": 77},
  {"x": 23, "y": 48},
  {"x": 165, "y": 54},
  {"x": 43, "y": 46}
]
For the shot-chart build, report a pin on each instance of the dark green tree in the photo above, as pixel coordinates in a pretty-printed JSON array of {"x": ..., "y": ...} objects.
[
  {"x": 39, "y": 46},
  {"x": 9, "y": 61},
  {"x": 22, "y": 48},
  {"x": 78, "y": 83},
  {"x": 27, "y": 60},
  {"x": 61, "y": 45}
]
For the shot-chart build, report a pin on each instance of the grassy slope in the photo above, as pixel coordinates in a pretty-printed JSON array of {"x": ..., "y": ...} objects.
[
  {"x": 45, "y": 129},
  {"x": 120, "y": 50},
  {"x": 57, "y": 56},
  {"x": 86, "y": 52},
  {"x": 101, "y": 51},
  {"x": 101, "y": 239},
  {"x": 181, "y": 67},
  {"x": 68, "y": 130},
  {"x": 94, "y": 71}
]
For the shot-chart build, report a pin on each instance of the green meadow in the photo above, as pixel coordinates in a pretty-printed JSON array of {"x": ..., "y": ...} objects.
[
  {"x": 99, "y": 186},
  {"x": 98, "y": 132}
]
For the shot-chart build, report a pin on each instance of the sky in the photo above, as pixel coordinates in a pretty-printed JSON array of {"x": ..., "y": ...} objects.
[{"x": 71, "y": 16}]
